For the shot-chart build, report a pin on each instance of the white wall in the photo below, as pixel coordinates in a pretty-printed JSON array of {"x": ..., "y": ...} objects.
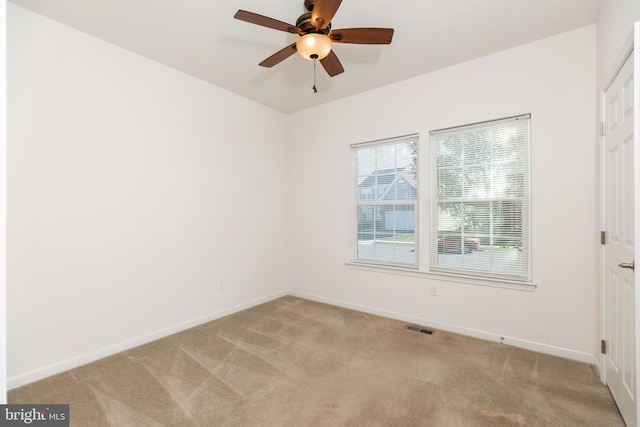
[
  {"x": 615, "y": 23},
  {"x": 133, "y": 189},
  {"x": 554, "y": 80}
]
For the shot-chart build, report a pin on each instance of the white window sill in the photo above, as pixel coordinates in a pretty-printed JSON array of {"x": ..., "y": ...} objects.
[{"x": 447, "y": 277}]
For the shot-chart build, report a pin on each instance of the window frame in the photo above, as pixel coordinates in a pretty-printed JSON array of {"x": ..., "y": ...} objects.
[
  {"x": 526, "y": 275},
  {"x": 374, "y": 201}
]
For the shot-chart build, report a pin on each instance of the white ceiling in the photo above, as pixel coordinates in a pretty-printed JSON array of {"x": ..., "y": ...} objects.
[{"x": 201, "y": 38}]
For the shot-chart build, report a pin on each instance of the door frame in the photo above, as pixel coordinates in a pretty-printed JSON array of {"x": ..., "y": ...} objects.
[
  {"x": 630, "y": 47},
  {"x": 3, "y": 202}
]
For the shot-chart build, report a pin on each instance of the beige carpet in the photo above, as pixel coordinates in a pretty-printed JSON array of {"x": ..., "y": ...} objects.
[{"x": 293, "y": 362}]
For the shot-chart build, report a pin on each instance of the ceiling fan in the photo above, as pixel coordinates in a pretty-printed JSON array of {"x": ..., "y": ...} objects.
[{"x": 316, "y": 35}]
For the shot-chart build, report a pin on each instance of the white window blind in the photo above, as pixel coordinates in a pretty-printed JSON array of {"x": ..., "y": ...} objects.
[
  {"x": 480, "y": 199},
  {"x": 385, "y": 196}
]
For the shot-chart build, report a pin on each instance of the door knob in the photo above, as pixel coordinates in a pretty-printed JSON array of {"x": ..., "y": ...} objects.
[{"x": 631, "y": 265}]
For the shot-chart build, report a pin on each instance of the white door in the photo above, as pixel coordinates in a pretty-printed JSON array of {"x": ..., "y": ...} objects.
[{"x": 619, "y": 251}]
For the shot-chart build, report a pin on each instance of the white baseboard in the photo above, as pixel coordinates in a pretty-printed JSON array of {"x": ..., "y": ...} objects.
[
  {"x": 475, "y": 333},
  {"x": 600, "y": 369},
  {"x": 108, "y": 351},
  {"x": 57, "y": 368}
]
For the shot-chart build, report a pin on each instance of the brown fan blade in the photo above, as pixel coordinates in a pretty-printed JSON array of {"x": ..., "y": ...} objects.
[
  {"x": 254, "y": 18},
  {"x": 279, "y": 56},
  {"x": 322, "y": 13},
  {"x": 332, "y": 64},
  {"x": 362, "y": 35}
]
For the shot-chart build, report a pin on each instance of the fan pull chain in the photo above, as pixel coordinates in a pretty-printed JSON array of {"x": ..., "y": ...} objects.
[{"x": 315, "y": 59}]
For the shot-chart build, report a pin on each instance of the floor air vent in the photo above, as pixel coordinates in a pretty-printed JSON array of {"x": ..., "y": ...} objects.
[{"x": 419, "y": 329}]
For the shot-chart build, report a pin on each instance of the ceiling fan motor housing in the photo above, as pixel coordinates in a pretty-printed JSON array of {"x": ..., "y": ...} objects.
[{"x": 304, "y": 23}]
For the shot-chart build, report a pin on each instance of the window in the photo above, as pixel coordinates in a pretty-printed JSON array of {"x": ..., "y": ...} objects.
[
  {"x": 386, "y": 190},
  {"x": 480, "y": 186}
]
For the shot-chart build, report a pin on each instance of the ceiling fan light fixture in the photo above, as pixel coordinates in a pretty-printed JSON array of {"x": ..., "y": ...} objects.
[{"x": 313, "y": 46}]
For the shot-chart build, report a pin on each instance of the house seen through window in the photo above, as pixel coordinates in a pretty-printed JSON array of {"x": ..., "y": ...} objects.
[{"x": 386, "y": 192}]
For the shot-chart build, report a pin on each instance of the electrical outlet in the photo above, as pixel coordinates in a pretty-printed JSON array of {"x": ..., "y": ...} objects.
[
  {"x": 221, "y": 284},
  {"x": 435, "y": 290}
]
